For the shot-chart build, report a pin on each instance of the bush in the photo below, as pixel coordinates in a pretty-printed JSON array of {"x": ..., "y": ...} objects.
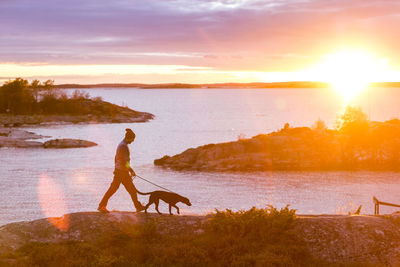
[{"x": 255, "y": 237}]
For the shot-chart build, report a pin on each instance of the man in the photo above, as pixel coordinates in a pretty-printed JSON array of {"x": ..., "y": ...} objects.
[{"x": 122, "y": 174}]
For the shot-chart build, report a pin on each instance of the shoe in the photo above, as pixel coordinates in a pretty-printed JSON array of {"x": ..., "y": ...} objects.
[{"x": 103, "y": 209}]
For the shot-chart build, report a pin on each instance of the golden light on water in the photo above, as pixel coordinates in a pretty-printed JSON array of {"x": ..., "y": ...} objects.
[{"x": 349, "y": 72}]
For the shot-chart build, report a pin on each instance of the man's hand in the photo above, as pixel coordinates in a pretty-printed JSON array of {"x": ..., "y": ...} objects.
[{"x": 132, "y": 172}]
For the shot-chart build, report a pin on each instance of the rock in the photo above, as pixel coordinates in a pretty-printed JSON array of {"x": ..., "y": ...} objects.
[
  {"x": 68, "y": 143},
  {"x": 297, "y": 149},
  {"x": 335, "y": 239},
  {"x": 88, "y": 226},
  {"x": 21, "y": 134},
  {"x": 342, "y": 238},
  {"x": 12, "y": 137},
  {"x": 18, "y": 138},
  {"x": 104, "y": 112},
  {"x": 18, "y": 143}
]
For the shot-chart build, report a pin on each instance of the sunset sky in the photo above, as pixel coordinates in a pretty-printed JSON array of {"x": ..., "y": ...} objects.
[{"x": 96, "y": 41}]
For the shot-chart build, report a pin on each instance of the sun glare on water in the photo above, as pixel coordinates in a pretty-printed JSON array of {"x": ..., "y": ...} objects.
[{"x": 350, "y": 72}]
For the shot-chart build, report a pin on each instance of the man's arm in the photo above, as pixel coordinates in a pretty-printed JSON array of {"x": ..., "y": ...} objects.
[{"x": 131, "y": 171}]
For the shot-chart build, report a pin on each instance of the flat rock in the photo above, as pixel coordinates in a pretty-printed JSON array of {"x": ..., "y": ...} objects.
[
  {"x": 68, "y": 143},
  {"x": 19, "y": 138},
  {"x": 17, "y": 133}
]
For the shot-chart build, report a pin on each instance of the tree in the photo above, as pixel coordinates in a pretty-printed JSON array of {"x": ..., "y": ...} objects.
[
  {"x": 16, "y": 97},
  {"x": 354, "y": 121},
  {"x": 35, "y": 87}
]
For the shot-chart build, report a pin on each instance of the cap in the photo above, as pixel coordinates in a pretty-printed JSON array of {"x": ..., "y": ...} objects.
[{"x": 129, "y": 133}]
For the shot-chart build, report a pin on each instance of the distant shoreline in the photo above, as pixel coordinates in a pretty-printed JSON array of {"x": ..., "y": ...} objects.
[{"x": 256, "y": 85}]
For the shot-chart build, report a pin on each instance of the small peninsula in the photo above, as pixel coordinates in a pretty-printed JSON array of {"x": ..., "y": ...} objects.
[{"x": 357, "y": 144}]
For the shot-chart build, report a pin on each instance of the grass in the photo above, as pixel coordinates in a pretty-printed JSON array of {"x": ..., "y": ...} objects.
[{"x": 256, "y": 237}]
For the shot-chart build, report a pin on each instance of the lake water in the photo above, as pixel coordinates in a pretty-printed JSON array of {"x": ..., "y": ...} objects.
[{"x": 37, "y": 182}]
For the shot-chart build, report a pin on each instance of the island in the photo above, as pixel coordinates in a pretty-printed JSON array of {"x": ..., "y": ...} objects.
[
  {"x": 42, "y": 103},
  {"x": 356, "y": 144},
  {"x": 23, "y": 103}
]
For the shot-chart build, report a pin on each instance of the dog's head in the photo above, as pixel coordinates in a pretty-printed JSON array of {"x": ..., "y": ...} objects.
[{"x": 186, "y": 201}]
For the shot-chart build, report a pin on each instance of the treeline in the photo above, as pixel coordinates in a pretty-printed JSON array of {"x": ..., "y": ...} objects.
[{"x": 21, "y": 97}]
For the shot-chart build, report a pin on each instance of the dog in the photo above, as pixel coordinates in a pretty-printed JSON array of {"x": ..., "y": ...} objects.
[{"x": 168, "y": 197}]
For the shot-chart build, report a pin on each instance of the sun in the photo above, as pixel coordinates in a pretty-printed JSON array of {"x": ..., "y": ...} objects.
[{"x": 349, "y": 72}]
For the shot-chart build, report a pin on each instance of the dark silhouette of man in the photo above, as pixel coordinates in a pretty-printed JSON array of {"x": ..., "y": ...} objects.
[{"x": 122, "y": 174}]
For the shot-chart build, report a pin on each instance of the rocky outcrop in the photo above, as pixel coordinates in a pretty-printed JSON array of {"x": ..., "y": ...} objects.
[
  {"x": 68, "y": 143},
  {"x": 331, "y": 238},
  {"x": 18, "y": 143},
  {"x": 18, "y": 138},
  {"x": 340, "y": 238},
  {"x": 299, "y": 148},
  {"x": 130, "y": 116},
  {"x": 86, "y": 111},
  {"x": 13, "y": 137},
  {"x": 88, "y": 226}
]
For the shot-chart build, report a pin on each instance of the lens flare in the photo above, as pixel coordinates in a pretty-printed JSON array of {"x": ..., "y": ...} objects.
[{"x": 52, "y": 202}]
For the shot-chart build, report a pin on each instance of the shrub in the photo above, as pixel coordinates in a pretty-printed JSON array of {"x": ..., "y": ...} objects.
[{"x": 319, "y": 125}]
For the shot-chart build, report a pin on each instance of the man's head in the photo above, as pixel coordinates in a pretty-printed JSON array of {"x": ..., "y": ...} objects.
[{"x": 129, "y": 135}]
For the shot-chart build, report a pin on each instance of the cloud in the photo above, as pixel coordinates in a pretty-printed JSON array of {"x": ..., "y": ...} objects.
[{"x": 269, "y": 35}]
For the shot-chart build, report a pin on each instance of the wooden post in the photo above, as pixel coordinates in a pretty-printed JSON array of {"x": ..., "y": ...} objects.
[{"x": 377, "y": 203}]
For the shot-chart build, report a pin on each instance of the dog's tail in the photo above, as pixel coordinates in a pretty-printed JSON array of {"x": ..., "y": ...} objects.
[{"x": 141, "y": 193}]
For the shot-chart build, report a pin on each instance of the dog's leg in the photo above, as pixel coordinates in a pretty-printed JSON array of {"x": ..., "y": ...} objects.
[
  {"x": 177, "y": 209},
  {"x": 151, "y": 201},
  {"x": 146, "y": 207},
  {"x": 170, "y": 213},
  {"x": 156, "y": 203}
]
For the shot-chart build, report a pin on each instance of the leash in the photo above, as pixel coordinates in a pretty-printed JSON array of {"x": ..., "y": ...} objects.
[{"x": 154, "y": 183}]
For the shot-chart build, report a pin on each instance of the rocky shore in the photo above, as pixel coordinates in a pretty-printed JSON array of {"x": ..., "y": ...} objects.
[
  {"x": 374, "y": 146},
  {"x": 331, "y": 239},
  {"x": 18, "y": 138},
  {"x": 21, "y": 120}
]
